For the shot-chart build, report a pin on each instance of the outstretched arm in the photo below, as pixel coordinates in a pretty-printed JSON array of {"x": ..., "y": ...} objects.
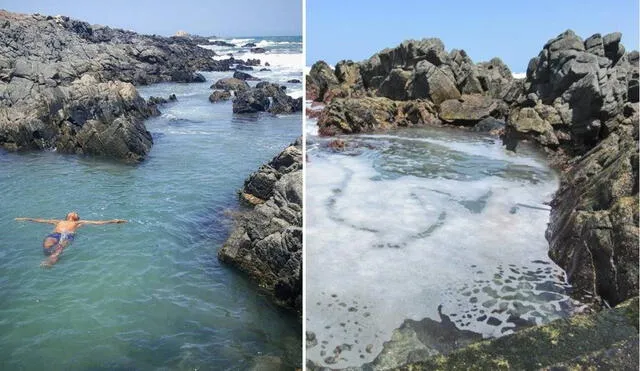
[
  {"x": 49, "y": 221},
  {"x": 101, "y": 222}
]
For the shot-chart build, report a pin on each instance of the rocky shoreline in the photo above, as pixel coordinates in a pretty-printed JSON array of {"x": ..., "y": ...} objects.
[
  {"x": 579, "y": 102},
  {"x": 266, "y": 242},
  {"x": 69, "y": 86}
]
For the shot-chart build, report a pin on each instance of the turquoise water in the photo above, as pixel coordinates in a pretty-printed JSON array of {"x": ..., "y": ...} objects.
[{"x": 149, "y": 294}]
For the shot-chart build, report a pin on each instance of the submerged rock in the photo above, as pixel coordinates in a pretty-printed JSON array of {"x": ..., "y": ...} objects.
[
  {"x": 244, "y": 76},
  {"x": 266, "y": 242}
]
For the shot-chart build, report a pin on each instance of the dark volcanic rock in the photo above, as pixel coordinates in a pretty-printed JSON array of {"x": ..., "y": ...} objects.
[
  {"x": 266, "y": 97},
  {"x": 419, "y": 69},
  {"x": 577, "y": 87},
  {"x": 577, "y": 101},
  {"x": 267, "y": 241},
  {"x": 249, "y": 45},
  {"x": 47, "y": 65},
  {"x": 221, "y": 43},
  {"x": 84, "y": 117},
  {"x": 594, "y": 221},
  {"x": 429, "y": 81},
  {"x": 244, "y": 76},
  {"x": 294, "y": 81},
  {"x": 258, "y": 50}
]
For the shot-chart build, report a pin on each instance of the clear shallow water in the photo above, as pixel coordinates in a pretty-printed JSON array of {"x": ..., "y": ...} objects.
[
  {"x": 149, "y": 294},
  {"x": 403, "y": 223}
]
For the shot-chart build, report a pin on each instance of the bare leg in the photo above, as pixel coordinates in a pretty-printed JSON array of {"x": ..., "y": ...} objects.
[{"x": 55, "y": 255}]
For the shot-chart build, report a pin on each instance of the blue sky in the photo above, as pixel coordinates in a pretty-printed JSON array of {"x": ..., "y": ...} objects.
[
  {"x": 515, "y": 31},
  {"x": 203, "y": 17}
]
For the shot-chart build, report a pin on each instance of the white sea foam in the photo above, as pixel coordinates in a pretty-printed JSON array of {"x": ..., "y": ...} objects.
[
  {"x": 381, "y": 250},
  {"x": 267, "y": 43},
  {"x": 239, "y": 42},
  {"x": 311, "y": 127}
]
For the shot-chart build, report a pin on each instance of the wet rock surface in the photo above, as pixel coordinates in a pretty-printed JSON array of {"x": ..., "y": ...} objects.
[
  {"x": 68, "y": 85},
  {"x": 266, "y": 242},
  {"x": 608, "y": 339}
]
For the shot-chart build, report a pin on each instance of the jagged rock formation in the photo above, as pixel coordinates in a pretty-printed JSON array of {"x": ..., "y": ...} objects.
[
  {"x": 464, "y": 93},
  {"x": 66, "y": 84},
  {"x": 267, "y": 240},
  {"x": 413, "y": 70},
  {"x": 575, "y": 92},
  {"x": 265, "y": 97},
  {"x": 581, "y": 101}
]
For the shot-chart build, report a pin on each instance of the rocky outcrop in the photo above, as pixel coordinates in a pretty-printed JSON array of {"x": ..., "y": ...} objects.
[
  {"x": 267, "y": 240},
  {"x": 367, "y": 115},
  {"x": 579, "y": 103},
  {"x": 266, "y": 97},
  {"x": 66, "y": 84},
  {"x": 244, "y": 76},
  {"x": 593, "y": 232},
  {"x": 83, "y": 117},
  {"x": 579, "y": 88},
  {"x": 419, "y": 69}
]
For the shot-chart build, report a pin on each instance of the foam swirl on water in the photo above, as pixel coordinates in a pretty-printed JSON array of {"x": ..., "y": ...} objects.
[{"x": 404, "y": 223}]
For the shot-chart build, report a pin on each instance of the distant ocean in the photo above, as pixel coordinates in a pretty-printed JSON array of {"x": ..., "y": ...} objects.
[{"x": 284, "y": 56}]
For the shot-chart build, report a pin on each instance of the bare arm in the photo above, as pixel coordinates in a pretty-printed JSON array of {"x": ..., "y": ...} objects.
[
  {"x": 101, "y": 222},
  {"x": 49, "y": 221}
]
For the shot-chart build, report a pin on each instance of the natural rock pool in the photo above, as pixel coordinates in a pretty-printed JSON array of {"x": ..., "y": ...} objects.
[
  {"x": 149, "y": 294},
  {"x": 430, "y": 223}
]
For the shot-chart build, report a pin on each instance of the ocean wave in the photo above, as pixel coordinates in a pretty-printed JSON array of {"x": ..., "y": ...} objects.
[
  {"x": 265, "y": 43},
  {"x": 239, "y": 42}
]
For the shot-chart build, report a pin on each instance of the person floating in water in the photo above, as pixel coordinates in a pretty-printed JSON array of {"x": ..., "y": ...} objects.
[{"x": 63, "y": 234}]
